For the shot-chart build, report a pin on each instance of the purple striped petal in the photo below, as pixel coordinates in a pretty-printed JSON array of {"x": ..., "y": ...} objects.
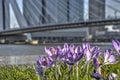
[
  {"x": 48, "y": 51},
  {"x": 97, "y": 76},
  {"x": 45, "y": 61},
  {"x": 39, "y": 70},
  {"x": 78, "y": 49},
  {"x": 71, "y": 48},
  {"x": 109, "y": 58},
  {"x": 112, "y": 59},
  {"x": 116, "y": 45},
  {"x": 96, "y": 64},
  {"x": 107, "y": 53},
  {"x": 113, "y": 76},
  {"x": 65, "y": 49}
]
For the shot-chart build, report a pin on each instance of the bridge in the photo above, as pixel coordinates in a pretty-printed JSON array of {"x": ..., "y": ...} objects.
[
  {"x": 49, "y": 27},
  {"x": 47, "y": 15}
]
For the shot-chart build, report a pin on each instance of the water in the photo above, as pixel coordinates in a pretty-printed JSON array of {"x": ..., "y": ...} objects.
[{"x": 27, "y": 54}]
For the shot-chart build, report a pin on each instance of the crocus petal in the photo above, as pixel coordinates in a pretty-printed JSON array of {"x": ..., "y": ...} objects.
[
  {"x": 95, "y": 52},
  {"x": 46, "y": 61},
  {"x": 88, "y": 55},
  {"x": 97, "y": 76},
  {"x": 112, "y": 59},
  {"x": 96, "y": 63},
  {"x": 113, "y": 76},
  {"x": 39, "y": 58},
  {"x": 39, "y": 70},
  {"x": 65, "y": 49},
  {"x": 107, "y": 53},
  {"x": 48, "y": 51},
  {"x": 83, "y": 45},
  {"x": 59, "y": 52},
  {"x": 79, "y": 56},
  {"x": 78, "y": 49},
  {"x": 74, "y": 56},
  {"x": 50, "y": 61},
  {"x": 69, "y": 54},
  {"x": 88, "y": 45},
  {"x": 72, "y": 48},
  {"x": 109, "y": 58},
  {"x": 116, "y": 45},
  {"x": 59, "y": 49}
]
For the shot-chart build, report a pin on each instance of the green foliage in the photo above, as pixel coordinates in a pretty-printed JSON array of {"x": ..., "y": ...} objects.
[
  {"x": 113, "y": 68},
  {"x": 14, "y": 72},
  {"x": 78, "y": 72}
]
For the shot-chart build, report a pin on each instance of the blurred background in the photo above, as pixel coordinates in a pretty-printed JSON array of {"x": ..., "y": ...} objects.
[{"x": 28, "y": 22}]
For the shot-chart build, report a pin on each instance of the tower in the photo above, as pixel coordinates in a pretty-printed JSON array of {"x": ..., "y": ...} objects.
[{"x": 96, "y": 12}]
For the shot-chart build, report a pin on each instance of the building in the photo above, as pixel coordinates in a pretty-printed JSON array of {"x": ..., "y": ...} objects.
[
  {"x": 4, "y": 15},
  {"x": 1, "y": 16},
  {"x": 96, "y": 9},
  {"x": 96, "y": 12},
  {"x": 38, "y": 12}
]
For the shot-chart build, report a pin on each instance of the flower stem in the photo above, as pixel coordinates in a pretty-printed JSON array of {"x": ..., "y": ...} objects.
[
  {"x": 77, "y": 71},
  {"x": 38, "y": 77},
  {"x": 44, "y": 76},
  {"x": 86, "y": 69},
  {"x": 55, "y": 71},
  {"x": 70, "y": 69}
]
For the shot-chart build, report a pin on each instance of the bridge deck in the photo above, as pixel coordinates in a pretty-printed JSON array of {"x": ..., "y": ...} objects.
[{"x": 46, "y": 27}]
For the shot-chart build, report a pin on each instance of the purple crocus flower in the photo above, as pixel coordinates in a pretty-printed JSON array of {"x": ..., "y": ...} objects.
[
  {"x": 109, "y": 58},
  {"x": 52, "y": 52},
  {"x": 45, "y": 61},
  {"x": 73, "y": 55},
  {"x": 91, "y": 53},
  {"x": 63, "y": 52},
  {"x": 116, "y": 45},
  {"x": 58, "y": 52}
]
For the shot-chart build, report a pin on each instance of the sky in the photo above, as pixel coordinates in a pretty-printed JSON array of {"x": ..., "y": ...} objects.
[
  {"x": 19, "y": 2},
  {"x": 13, "y": 21}
]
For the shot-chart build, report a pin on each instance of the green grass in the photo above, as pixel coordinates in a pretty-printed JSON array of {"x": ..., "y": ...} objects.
[
  {"x": 27, "y": 72},
  {"x": 15, "y": 72}
]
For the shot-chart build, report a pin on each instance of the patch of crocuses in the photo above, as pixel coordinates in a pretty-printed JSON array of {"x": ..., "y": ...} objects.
[{"x": 82, "y": 62}]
